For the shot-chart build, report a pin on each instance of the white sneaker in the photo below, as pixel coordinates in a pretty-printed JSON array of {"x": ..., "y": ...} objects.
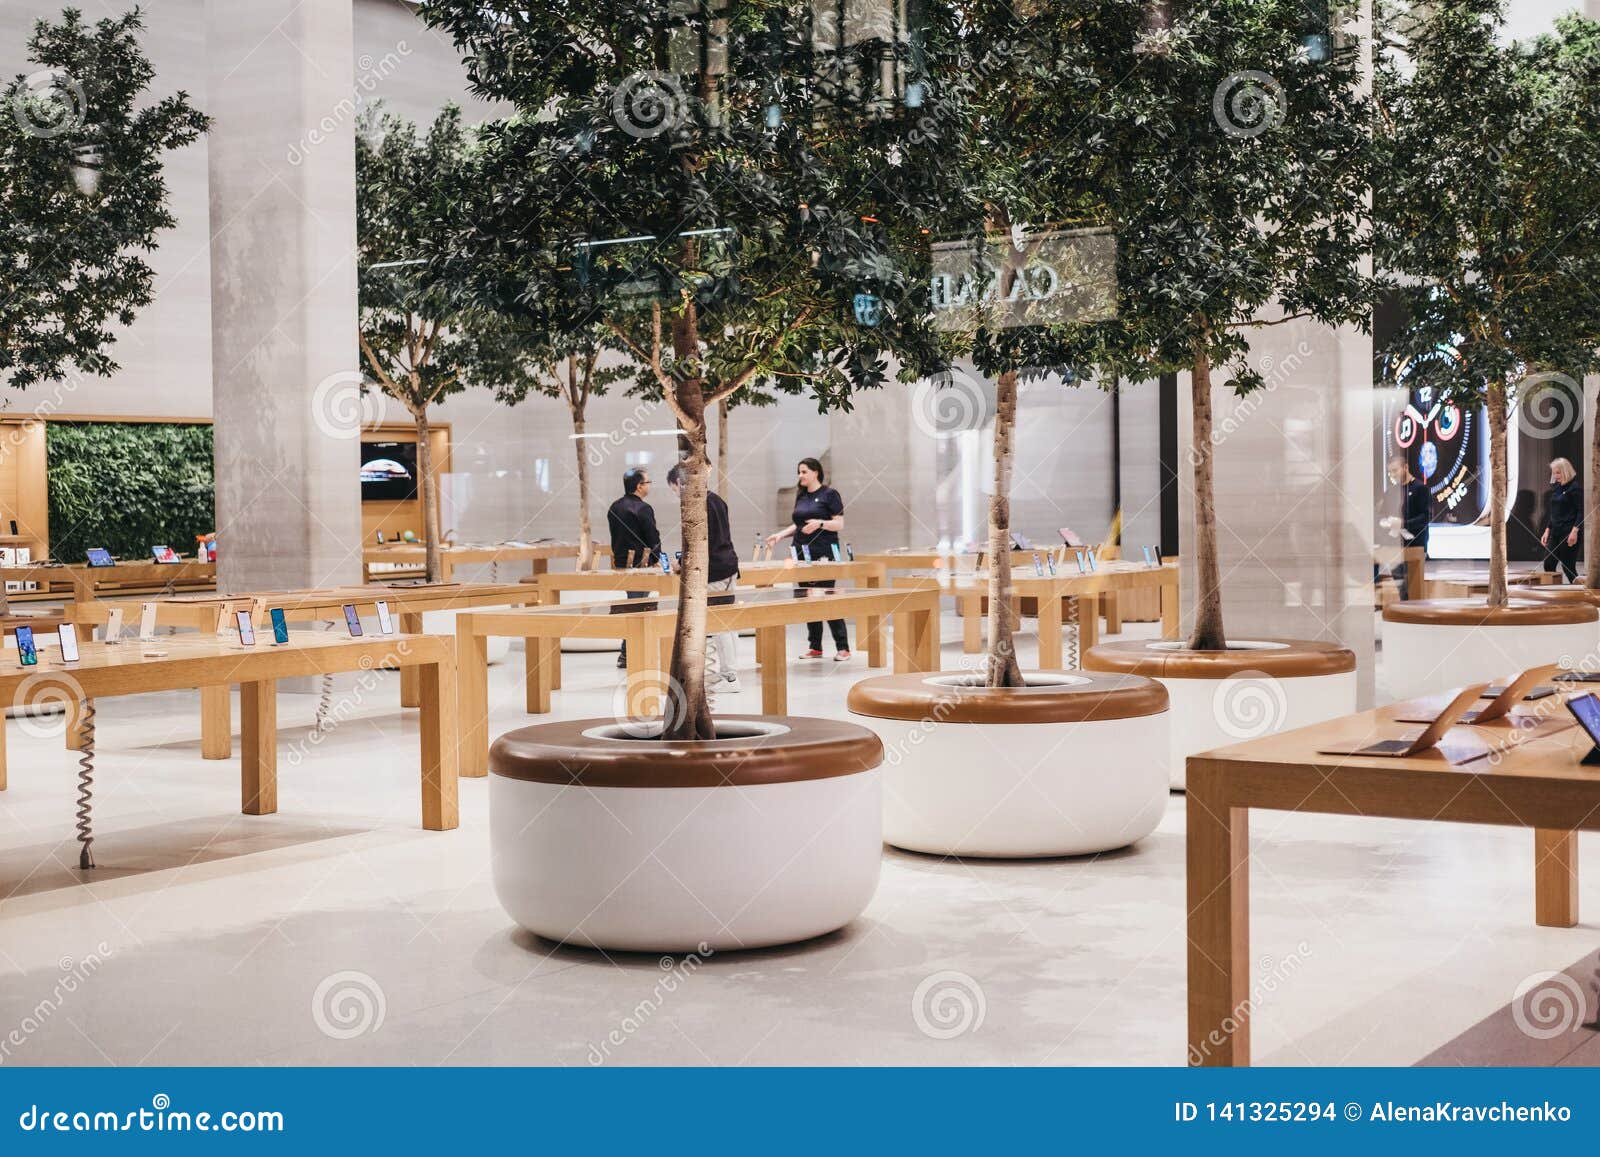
[{"x": 730, "y": 684}]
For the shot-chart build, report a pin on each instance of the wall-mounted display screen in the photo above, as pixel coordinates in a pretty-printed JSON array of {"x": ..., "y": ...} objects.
[{"x": 388, "y": 471}]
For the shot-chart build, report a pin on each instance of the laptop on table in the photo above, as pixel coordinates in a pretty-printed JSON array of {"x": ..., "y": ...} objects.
[{"x": 1426, "y": 739}]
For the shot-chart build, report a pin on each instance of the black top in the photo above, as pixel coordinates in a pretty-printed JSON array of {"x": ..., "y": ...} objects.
[
  {"x": 633, "y": 530},
  {"x": 1416, "y": 512},
  {"x": 1563, "y": 509},
  {"x": 724, "y": 560},
  {"x": 823, "y": 502}
]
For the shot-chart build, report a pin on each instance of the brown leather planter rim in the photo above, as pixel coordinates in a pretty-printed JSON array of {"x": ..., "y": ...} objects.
[
  {"x": 1579, "y": 595},
  {"x": 1472, "y": 613},
  {"x": 560, "y": 753},
  {"x": 913, "y": 698},
  {"x": 1297, "y": 659}
]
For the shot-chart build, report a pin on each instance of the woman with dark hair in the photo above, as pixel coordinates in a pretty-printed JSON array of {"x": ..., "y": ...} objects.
[{"x": 818, "y": 519}]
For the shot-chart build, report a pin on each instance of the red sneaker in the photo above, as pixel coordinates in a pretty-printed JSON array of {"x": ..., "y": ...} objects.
[{"x": 811, "y": 655}]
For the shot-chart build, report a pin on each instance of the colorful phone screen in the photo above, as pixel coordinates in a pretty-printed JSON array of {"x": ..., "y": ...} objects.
[
  {"x": 247, "y": 629},
  {"x": 27, "y": 653},
  {"x": 352, "y": 620},
  {"x": 280, "y": 626}
]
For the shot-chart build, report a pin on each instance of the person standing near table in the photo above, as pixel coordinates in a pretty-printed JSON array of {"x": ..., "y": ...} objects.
[
  {"x": 1416, "y": 515},
  {"x": 635, "y": 541},
  {"x": 722, "y": 572},
  {"x": 1563, "y": 520},
  {"x": 818, "y": 519}
]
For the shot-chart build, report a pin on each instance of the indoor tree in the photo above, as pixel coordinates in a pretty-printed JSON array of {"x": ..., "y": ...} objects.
[
  {"x": 1488, "y": 214},
  {"x": 83, "y": 194},
  {"x": 720, "y": 181},
  {"x": 1239, "y": 200},
  {"x": 424, "y": 334}
]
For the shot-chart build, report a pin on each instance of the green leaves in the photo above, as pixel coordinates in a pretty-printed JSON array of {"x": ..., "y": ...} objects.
[{"x": 71, "y": 262}]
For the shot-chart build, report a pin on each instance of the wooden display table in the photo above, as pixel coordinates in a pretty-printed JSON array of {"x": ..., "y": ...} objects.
[
  {"x": 971, "y": 590},
  {"x": 1462, "y": 584},
  {"x": 411, "y": 557},
  {"x": 408, "y": 603},
  {"x": 87, "y": 583},
  {"x": 1536, "y": 784},
  {"x": 646, "y": 625},
  {"x": 191, "y": 661},
  {"x": 760, "y": 575}
]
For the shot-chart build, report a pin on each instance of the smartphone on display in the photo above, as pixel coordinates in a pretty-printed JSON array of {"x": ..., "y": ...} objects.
[
  {"x": 67, "y": 636},
  {"x": 385, "y": 619},
  {"x": 1093, "y": 562},
  {"x": 164, "y": 554},
  {"x": 837, "y": 557},
  {"x": 850, "y": 552},
  {"x": 280, "y": 626},
  {"x": 794, "y": 553},
  {"x": 1038, "y": 565},
  {"x": 806, "y": 550},
  {"x": 27, "y": 653},
  {"x": 113, "y": 628},
  {"x": 99, "y": 556},
  {"x": 1050, "y": 561},
  {"x": 352, "y": 620},
  {"x": 1081, "y": 568},
  {"x": 380, "y": 538},
  {"x": 147, "y": 622},
  {"x": 666, "y": 564}
]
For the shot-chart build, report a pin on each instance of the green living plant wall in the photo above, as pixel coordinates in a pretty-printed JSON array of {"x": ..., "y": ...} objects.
[{"x": 128, "y": 486}]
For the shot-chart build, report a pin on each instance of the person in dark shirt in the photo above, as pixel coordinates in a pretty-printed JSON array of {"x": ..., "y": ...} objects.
[
  {"x": 635, "y": 541},
  {"x": 818, "y": 519},
  {"x": 1416, "y": 515},
  {"x": 1563, "y": 520},
  {"x": 722, "y": 572}
]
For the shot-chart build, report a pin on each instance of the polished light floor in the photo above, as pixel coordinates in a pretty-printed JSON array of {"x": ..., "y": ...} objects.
[{"x": 339, "y": 932}]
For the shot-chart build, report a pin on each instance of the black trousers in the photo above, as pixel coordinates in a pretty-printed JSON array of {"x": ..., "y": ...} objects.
[
  {"x": 1559, "y": 553},
  {"x": 631, "y": 595},
  {"x": 841, "y": 633}
]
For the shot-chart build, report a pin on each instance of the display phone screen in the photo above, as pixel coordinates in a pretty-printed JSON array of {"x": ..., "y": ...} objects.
[
  {"x": 27, "y": 653},
  {"x": 806, "y": 550},
  {"x": 1038, "y": 564},
  {"x": 1050, "y": 561},
  {"x": 385, "y": 619},
  {"x": 1585, "y": 708},
  {"x": 1082, "y": 569},
  {"x": 247, "y": 629},
  {"x": 850, "y": 552},
  {"x": 280, "y": 626},
  {"x": 666, "y": 565},
  {"x": 1092, "y": 561},
  {"x": 352, "y": 620},
  {"x": 380, "y": 538},
  {"x": 113, "y": 629},
  {"x": 794, "y": 553},
  {"x": 98, "y": 556},
  {"x": 837, "y": 557},
  {"x": 147, "y": 622},
  {"x": 67, "y": 635}
]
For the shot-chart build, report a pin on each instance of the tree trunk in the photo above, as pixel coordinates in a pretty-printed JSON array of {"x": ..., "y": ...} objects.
[
  {"x": 1591, "y": 517},
  {"x": 428, "y": 494},
  {"x": 1208, "y": 633},
  {"x": 1002, "y": 658},
  {"x": 585, "y": 531},
  {"x": 1497, "y": 493},
  {"x": 688, "y": 714},
  {"x": 722, "y": 448}
]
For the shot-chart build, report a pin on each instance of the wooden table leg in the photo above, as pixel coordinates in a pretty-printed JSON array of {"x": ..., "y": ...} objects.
[
  {"x": 1219, "y": 927},
  {"x": 1169, "y": 610},
  {"x": 928, "y": 637},
  {"x": 1088, "y": 623},
  {"x": 410, "y": 686},
  {"x": 1555, "y": 878},
  {"x": 2, "y": 753},
  {"x": 536, "y": 675},
  {"x": 438, "y": 746},
  {"x": 258, "y": 763},
  {"x": 869, "y": 630},
  {"x": 771, "y": 645},
  {"x": 971, "y": 624},
  {"x": 472, "y": 700},
  {"x": 552, "y": 662},
  {"x": 1049, "y": 633},
  {"x": 216, "y": 722},
  {"x": 1111, "y": 607},
  {"x": 642, "y": 699}
]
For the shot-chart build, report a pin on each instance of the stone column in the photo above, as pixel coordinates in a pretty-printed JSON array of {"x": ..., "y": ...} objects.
[{"x": 283, "y": 292}]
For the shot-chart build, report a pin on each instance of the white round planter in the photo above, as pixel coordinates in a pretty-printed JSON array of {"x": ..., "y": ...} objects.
[
  {"x": 1070, "y": 765},
  {"x": 1254, "y": 688},
  {"x": 1437, "y": 644},
  {"x": 771, "y": 836}
]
